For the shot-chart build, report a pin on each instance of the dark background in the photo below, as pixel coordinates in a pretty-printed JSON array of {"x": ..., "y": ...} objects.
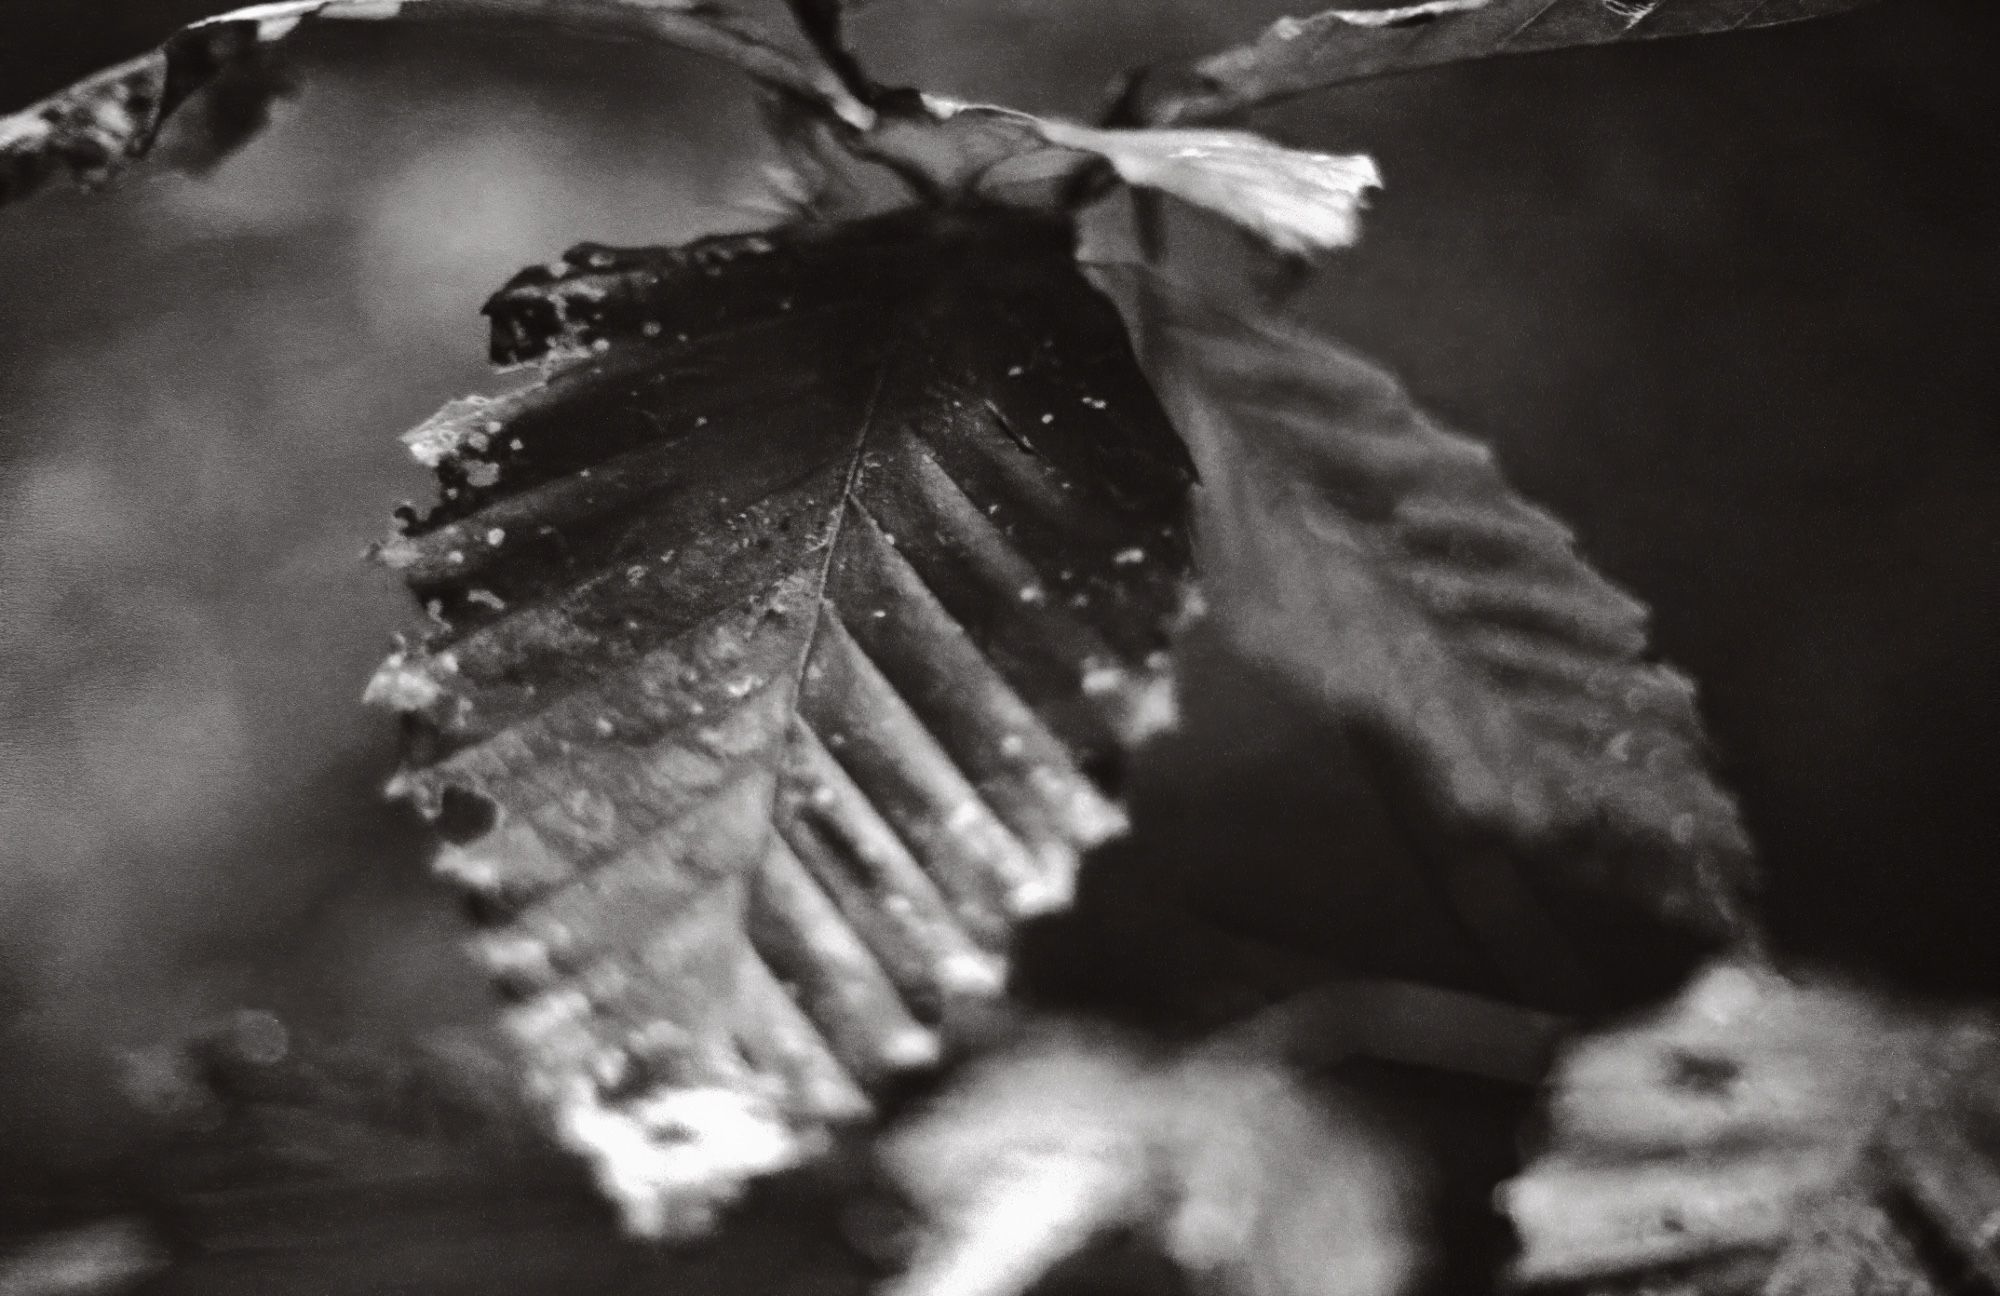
[{"x": 1727, "y": 306}]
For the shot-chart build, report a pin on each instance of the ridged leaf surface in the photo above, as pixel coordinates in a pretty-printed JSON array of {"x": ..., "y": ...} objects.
[
  {"x": 792, "y": 631},
  {"x": 1381, "y": 567}
]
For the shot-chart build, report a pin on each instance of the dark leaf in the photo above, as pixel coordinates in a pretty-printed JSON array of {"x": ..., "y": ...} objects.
[
  {"x": 1296, "y": 55},
  {"x": 96, "y": 128},
  {"x": 867, "y": 534},
  {"x": 1381, "y": 566},
  {"x": 1761, "y": 1134}
]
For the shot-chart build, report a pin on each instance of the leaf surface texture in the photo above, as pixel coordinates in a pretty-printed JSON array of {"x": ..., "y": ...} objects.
[
  {"x": 1380, "y": 566},
  {"x": 795, "y": 626},
  {"x": 1297, "y": 55}
]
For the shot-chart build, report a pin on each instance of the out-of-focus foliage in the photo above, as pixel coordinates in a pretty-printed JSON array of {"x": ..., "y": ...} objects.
[
  {"x": 189, "y": 468},
  {"x": 96, "y": 128},
  {"x": 1763, "y": 1135},
  {"x": 1245, "y": 1174}
]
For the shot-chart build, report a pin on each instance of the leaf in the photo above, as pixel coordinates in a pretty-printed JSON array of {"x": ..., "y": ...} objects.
[
  {"x": 98, "y": 127},
  {"x": 792, "y": 633},
  {"x": 1766, "y": 1134},
  {"x": 1382, "y": 568},
  {"x": 110, "y": 1255},
  {"x": 1235, "y": 1168},
  {"x": 1296, "y": 202},
  {"x": 1297, "y": 55}
]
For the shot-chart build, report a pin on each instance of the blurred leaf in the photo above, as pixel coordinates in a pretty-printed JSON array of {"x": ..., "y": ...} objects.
[
  {"x": 101, "y": 1259},
  {"x": 1382, "y": 567},
  {"x": 1296, "y": 55},
  {"x": 388, "y": 1162},
  {"x": 101, "y": 125},
  {"x": 249, "y": 1101},
  {"x": 1760, "y": 1134},
  {"x": 1236, "y": 1168},
  {"x": 867, "y": 534}
]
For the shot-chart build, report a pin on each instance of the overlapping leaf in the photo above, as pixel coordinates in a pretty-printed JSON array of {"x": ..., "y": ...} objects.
[
  {"x": 1297, "y": 55},
  {"x": 792, "y": 633},
  {"x": 1382, "y": 565},
  {"x": 1765, "y": 1135}
]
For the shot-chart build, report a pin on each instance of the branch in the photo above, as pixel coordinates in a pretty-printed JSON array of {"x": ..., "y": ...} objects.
[{"x": 96, "y": 128}]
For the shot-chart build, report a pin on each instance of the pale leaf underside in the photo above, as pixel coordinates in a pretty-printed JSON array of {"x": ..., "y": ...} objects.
[
  {"x": 1297, "y": 55},
  {"x": 1296, "y": 202},
  {"x": 872, "y": 534},
  {"x": 1383, "y": 566},
  {"x": 1762, "y": 1135}
]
